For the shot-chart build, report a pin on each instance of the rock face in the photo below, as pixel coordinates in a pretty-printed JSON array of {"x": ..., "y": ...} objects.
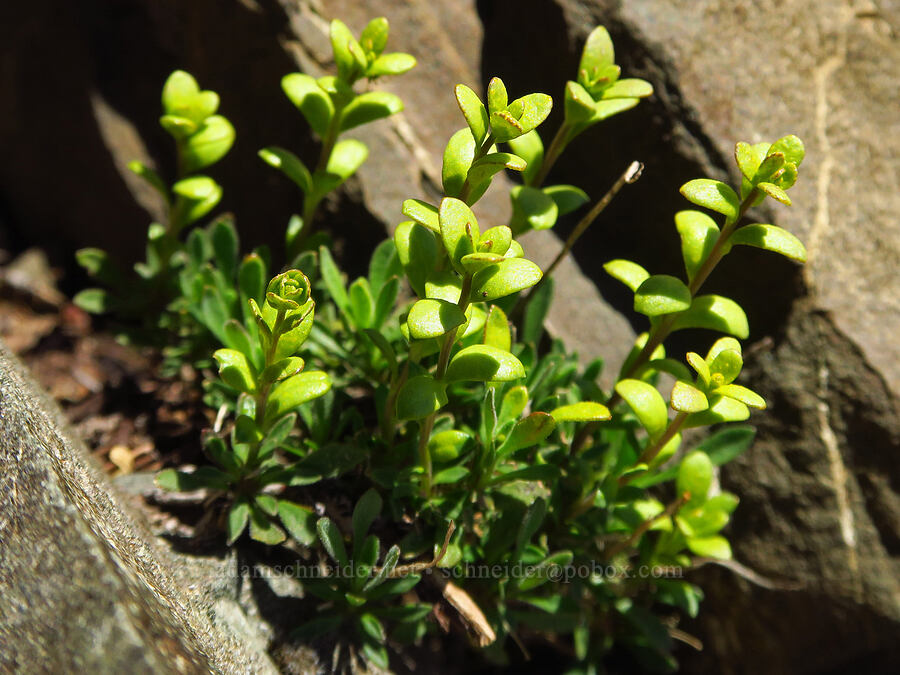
[
  {"x": 84, "y": 589},
  {"x": 819, "y": 488}
]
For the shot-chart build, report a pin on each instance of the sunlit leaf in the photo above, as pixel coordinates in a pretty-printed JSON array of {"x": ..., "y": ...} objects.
[
  {"x": 647, "y": 403},
  {"x": 661, "y": 294},
  {"x": 771, "y": 238},
  {"x": 714, "y": 195},
  {"x": 484, "y": 363}
]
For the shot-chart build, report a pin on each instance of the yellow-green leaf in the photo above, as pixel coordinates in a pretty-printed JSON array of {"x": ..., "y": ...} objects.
[
  {"x": 583, "y": 411},
  {"x": 483, "y": 363},
  {"x": 687, "y": 398},
  {"x": 629, "y": 273},
  {"x": 714, "y": 195},
  {"x": 647, "y": 403}
]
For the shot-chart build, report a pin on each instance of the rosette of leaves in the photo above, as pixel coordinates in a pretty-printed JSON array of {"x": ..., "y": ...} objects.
[
  {"x": 362, "y": 595},
  {"x": 597, "y": 94},
  {"x": 331, "y": 106},
  {"x": 471, "y": 158},
  {"x": 202, "y": 137},
  {"x": 272, "y": 383}
]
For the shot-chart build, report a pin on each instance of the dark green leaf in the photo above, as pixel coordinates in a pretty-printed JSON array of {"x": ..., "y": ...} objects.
[
  {"x": 419, "y": 397},
  {"x": 235, "y": 370},
  {"x": 395, "y": 63},
  {"x": 289, "y": 164},
  {"x": 238, "y": 516},
  {"x": 533, "y": 209},
  {"x": 530, "y": 148},
  {"x": 458, "y": 156},
  {"x": 629, "y": 273},
  {"x": 447, "y": 445},
  {"x": 417, "y": 249},
  {"x": 568, "y": 198},
  {"x": 295, "y": 391},
  {"x": 94, "y": 300},
  {"x": 208, "y": 144},
  {"x": 374, "y": 37},
  {"x": 333, "y": 280},
  {"x": 698, "y": 234},
  {"x": 459, "y": 230},
  {"x": 331, "y": 539},
  {"x": 687, "y": 398},
  {"x": 528, "y": 431},
  {"x": 496, "y": 330},
  {"x": 474, "y": 111},
  {"x": 597, "y": 53},
  {"x": 152, "y": 178},
  {"x": 262, "y": 528},
  {"x": 422, "y": 213},
  {"x": 628, "y": 88},
  {"x": 584, "y": 411},
  {"x": 775, "y": 192},
  {"x": 364, "y": 514},
  {"x": 647, "y": 404},
  {"x": 433, "y": 318}
]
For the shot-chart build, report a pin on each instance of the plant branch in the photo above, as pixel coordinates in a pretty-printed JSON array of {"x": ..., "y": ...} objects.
[
  {"x": 664, "y": 327},
  {"x": 443, "y": 361},
  {"x": 415, "y": 568},
  {"x": 557, "y": 145},
  {"x": 652, "y": 450},
  {"x": 641, "y": 529}
]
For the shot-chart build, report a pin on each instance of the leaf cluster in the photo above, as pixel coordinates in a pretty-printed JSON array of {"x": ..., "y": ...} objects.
[{"x": 429, "y": 387}]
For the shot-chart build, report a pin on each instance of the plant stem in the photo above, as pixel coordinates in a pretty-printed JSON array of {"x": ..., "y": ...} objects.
[
  {"x": 311, "y": 205},
  {"x": 479, "y": 153},
  {"x": 262, "y": 396},
  {"x": 425, "y": 456},
  {"x": 557, "y": 145},
  {"x": 441, "y": 370},
  {"x": 388, "y": 423},
  {"x": 639, "y": 531},
  {"x": 652, "y": 450},
  {"x": 630, "y": 175}
]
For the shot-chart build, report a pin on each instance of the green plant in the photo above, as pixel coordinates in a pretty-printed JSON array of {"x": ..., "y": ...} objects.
[
  {"x": 331, "y": 107},
  {"x": 356, "y": 591},
  {"x": 202, "y": 138},
  {"x": 484, "y": 446},
  {"x": 271, "y": 383}
]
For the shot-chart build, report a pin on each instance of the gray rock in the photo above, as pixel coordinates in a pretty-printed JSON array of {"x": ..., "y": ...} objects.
[
  {"x": 83, "y": 586},
  {"x": 819, "y": 491}
]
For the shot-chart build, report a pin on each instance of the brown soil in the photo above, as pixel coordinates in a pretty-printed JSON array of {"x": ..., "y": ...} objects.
[{"x": 131, "y": 419}]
